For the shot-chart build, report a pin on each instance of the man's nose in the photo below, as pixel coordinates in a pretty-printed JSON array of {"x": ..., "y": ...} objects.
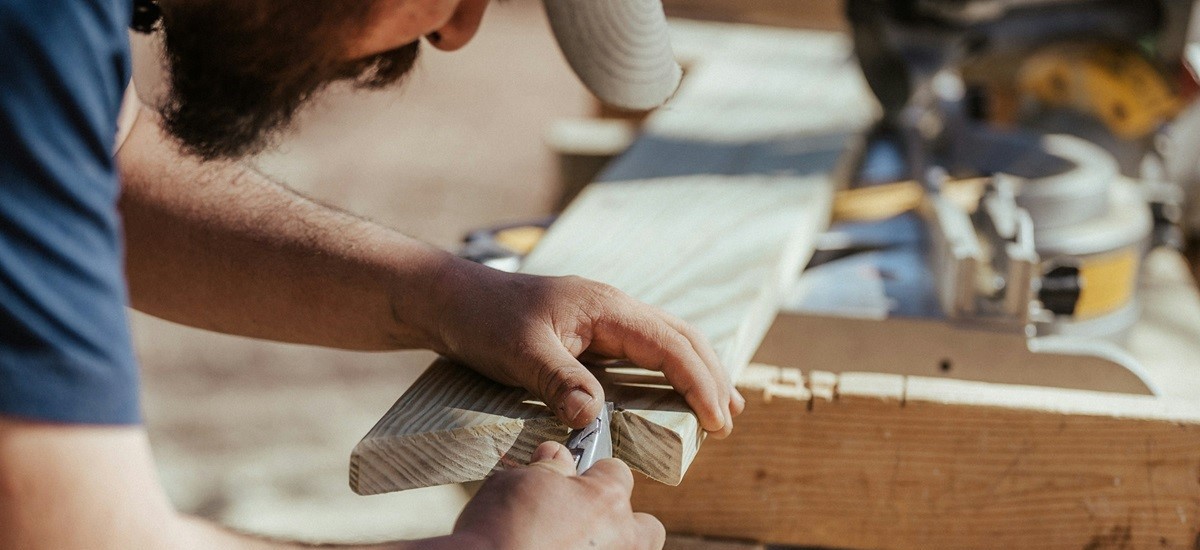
[{"x": 461, "y": 27}]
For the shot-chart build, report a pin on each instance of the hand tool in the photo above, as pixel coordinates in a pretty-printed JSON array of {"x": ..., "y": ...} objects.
[{"x": 594, "y": 441}]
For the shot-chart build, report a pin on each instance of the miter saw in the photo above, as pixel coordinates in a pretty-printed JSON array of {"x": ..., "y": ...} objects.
[{"x": 1003, "y": 206}]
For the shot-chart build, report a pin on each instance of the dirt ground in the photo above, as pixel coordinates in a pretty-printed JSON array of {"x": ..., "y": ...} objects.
[{"x": 258, "y": 435}]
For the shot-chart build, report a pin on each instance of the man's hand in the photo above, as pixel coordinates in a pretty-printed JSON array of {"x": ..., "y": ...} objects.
[
  {"x": 528, "y": 331},
  {"x": 259, "y": 260},
  {"x": 546, "y": 505},
  {"x": 72, "y": 487}
]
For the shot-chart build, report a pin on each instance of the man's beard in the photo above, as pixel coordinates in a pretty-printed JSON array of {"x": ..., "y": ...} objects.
[{"x": 239, "y": 71}]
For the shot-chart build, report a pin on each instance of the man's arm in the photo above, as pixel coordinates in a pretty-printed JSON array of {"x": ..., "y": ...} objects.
[
  {"x": 219, "y": 246},
  {"x": 65, "y": 487}
]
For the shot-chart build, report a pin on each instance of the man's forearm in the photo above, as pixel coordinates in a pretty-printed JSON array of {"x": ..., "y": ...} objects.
[
  {"x": 77, "y": 486},
  {"x": 219, "y": 246}
]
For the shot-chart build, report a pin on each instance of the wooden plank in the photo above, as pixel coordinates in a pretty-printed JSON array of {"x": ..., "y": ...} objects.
[
  {"x": 869, "y": 460},
  {"x": 715, "y": 251}
]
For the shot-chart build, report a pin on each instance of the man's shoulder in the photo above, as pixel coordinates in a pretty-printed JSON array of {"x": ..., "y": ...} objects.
[
  {"x": 65, "y": 68},
  {"x": 51, "y": 18}
]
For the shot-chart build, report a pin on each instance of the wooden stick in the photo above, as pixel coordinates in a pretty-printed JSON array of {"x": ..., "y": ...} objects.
[{"x": 716, "y": 251}]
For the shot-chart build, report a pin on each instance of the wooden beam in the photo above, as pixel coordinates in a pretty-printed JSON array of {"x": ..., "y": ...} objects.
[
  {"x": 716, "y": 251},
  {"x": 866, "y": 460}
]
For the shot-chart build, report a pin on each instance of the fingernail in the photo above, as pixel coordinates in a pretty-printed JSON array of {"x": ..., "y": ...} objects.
[
  {"x": 723, "y": 418},
  {"x": 738, "y": 395},
  {"x": 544, "y": 452},
  {"x": 576, "y": 402}
]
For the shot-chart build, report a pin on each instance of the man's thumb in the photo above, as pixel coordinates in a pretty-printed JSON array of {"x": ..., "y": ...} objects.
[
  {"x": 554, "y": 456},
  {"x": 568, "y": 388}
]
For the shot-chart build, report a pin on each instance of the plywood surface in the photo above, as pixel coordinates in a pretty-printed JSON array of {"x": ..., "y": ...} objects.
[{"x": 716, "y": 251}]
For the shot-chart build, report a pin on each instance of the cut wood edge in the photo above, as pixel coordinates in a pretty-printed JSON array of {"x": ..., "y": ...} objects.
[
  {"x": 638, "y": 437},
  {"x": 906, "y": 390},
  {"x": 509, "y": 443}
]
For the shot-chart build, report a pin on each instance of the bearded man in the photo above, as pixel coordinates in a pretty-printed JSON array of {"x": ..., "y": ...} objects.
[{"x": 105, "y": 202}]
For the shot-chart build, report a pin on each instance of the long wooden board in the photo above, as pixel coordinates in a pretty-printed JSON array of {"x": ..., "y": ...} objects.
[
  {"x": 716, "y": 251},
  {"x": 867, "y": 460}
]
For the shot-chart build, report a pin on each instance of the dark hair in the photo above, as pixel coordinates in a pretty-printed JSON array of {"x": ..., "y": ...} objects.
[{"x": 240, "y": 69}]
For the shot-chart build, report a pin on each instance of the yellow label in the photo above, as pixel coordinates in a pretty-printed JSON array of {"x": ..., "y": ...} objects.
[
  {"x": 1108, "y": 283},
  {"x": 520, "y": 239},
  {"x": 877, "y": 202},
  {"x": 1115, "y": 83}
]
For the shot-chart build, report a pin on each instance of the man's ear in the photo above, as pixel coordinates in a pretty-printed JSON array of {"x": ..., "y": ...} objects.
[{"x": 461, "y": 27}]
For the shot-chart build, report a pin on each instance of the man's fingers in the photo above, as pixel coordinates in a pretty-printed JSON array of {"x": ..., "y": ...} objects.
[
  {"x": 736, "y": 403},
  {"x": 648, "y": 341},
  {"x": 555, "y": 457},
  {"x": 699, "y": 343},
  {"x": 614, "y": 475},
  {"x": 566, "y": 386},
  {"x": 613, "y": 472},
  {"x": 650, "y": 530}
]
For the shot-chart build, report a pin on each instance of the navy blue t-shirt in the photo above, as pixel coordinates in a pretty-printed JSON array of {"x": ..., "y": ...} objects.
[{"x": 65, "y": 349}]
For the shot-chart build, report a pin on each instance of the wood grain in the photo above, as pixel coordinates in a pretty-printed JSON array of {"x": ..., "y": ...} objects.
[
  {"x": 866, "y": 460},
  {"x": 716, "y": 251}
]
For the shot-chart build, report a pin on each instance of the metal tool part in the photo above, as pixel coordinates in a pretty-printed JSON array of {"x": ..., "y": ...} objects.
[{"x": 594, "y": 441}]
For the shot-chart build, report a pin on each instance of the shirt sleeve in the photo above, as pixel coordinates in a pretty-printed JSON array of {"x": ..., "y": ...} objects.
[{"x": 65, "y": 348}]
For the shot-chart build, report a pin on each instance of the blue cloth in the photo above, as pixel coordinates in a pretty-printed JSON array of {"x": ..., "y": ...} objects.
[{"x": 65, "y": 349}]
